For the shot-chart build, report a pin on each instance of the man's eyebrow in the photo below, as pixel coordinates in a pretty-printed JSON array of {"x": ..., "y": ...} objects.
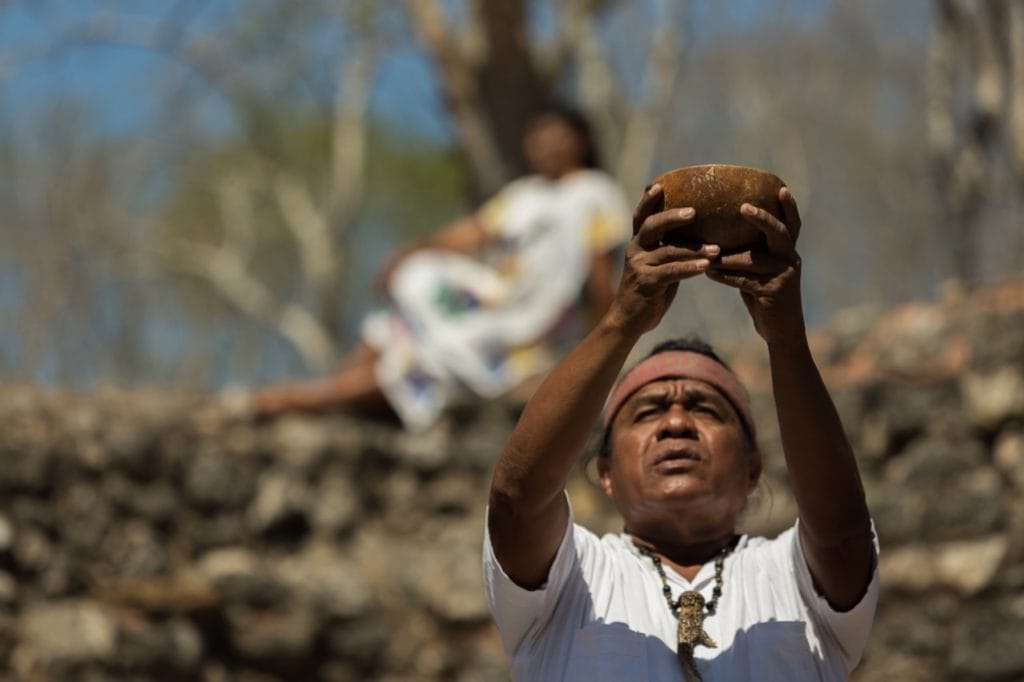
[
  {"x": 649, "y": 398},
  {"x": 705, "y": 392},
  {"x": 697, "y": 391}
]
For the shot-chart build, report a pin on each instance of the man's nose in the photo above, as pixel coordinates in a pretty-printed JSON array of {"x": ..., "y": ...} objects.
[{"x": 676, "y": 422}]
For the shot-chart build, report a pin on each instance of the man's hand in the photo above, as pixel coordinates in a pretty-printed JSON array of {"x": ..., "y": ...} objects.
[
  {"x": 653, "y": 268},
  {"x": 769, "y": 280}
]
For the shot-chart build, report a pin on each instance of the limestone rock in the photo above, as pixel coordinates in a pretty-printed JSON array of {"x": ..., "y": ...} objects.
[
  {"x": 327, "y": 582},
  {"x": 970, "y": 566},
  {"x": 69, "y": 632},
  {"x": 995, "y": 396},
  {"x": 1008, "y": 455},
  {"x": 280, "y": 499},
  {"x": 986, "y": 640},
  {"x": 143, "y": 539}
]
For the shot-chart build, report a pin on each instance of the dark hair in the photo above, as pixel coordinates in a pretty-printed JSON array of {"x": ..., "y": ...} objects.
[
  {"x": 579, "y": 123},
  {"x": 692, "y": 344}
]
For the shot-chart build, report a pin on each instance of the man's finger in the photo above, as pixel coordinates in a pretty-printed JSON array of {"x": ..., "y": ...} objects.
[
  {"x": 749, "y": 282},
  {"x": 670, "y": 252},
  {"x": 790, "y": 213},
  {"x": 779, "y": 238},
  {"x": 651, "y": 202},
  {"x": 758, "y": 262},
  {"x": 681, "y": 269},
  {"x": 651, "y": 234}
]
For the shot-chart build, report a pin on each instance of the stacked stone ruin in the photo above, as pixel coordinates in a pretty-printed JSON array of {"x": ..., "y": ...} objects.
[{"x": 144, "y": 537}]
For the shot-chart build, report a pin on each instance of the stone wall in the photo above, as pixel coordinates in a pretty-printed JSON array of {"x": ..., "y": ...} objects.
[{"x": 144, "y": 538}]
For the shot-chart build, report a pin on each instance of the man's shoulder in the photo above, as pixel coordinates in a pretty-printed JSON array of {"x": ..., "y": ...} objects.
[
  {"x": 776, "y": 548},
  {"x": 604, "y": 549},
  {"x": 614, "y": 542},
  {"x": 759, "y": 541}
]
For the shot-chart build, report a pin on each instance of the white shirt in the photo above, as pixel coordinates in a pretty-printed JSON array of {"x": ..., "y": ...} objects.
[{"x": 602, "y": 616}]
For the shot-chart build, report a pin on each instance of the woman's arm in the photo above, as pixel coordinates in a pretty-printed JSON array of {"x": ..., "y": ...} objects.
[{"x": 466, "y": 235}]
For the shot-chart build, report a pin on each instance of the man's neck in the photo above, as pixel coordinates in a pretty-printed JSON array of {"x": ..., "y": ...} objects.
[{"x": 688, "y": 558}]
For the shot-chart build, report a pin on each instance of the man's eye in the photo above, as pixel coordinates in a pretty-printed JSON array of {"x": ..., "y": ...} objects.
[{"x": 646, "y": 413}]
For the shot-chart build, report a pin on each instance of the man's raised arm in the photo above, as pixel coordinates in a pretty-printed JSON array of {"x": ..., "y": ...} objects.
[
  {"x": 835, "y": 528},
  {"x": 528, "y": 511}
]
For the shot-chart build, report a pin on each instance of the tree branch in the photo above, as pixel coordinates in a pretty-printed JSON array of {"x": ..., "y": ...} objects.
[
  {"x": 227, "y": 274},
  {"x": 598, "y": 89},
  {"x": 939, "y": 87},
  {"x": 349, "y": 133},
  {"x": 308, "y": 226},
  {"x": 661, "y": 75},
  {"x": 1015, "y": 114},
  {"x": 458, "y": 82}
]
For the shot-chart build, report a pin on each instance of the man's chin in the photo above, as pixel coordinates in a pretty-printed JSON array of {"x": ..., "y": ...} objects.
[{"x": 681, "y": 487}]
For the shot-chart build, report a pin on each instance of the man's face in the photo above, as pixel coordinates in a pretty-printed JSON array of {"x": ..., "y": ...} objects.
[{"x": 677, "y": 445}]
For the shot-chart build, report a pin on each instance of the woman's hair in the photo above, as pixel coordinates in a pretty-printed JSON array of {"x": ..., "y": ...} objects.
[{"x": 579, "y": 123}]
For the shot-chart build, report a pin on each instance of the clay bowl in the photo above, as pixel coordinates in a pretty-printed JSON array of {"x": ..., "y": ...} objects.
[{"x": 716, "y": 192}]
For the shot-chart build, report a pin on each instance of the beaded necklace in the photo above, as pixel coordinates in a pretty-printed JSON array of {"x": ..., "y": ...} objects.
[{"x": 689, "y": 610}]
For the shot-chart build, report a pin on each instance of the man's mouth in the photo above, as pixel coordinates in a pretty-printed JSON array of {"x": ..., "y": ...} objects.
[{"x": 683, "y": 457}]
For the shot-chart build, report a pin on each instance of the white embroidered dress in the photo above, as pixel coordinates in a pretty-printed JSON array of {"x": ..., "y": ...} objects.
[{"x": 461, "y": 327}]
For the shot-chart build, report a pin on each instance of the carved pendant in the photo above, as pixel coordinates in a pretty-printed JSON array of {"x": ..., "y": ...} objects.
[{"x": 690, "y": 632}]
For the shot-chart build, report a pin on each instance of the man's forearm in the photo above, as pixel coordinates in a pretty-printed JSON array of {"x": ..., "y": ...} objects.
[
  {"x": 821, "y": 464},
  {"x": 835, "y": 527},
  {"x": 556, "y": 424},
  {"x": 528, "y": 511}
]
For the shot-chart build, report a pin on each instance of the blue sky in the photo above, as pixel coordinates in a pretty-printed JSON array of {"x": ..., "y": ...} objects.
[
  {"x": 112, "y": 81},
  {"x": 124, "y": 88}
]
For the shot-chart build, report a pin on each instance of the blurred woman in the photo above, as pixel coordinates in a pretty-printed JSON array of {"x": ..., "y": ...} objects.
[{"x": 490, "y": 300}]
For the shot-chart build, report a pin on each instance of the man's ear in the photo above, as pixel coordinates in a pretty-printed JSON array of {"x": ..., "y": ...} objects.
[{"x": 604, "y": 471}]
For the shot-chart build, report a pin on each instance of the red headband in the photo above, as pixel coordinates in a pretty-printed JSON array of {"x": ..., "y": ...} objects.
[{"x": 681, "y": 364}]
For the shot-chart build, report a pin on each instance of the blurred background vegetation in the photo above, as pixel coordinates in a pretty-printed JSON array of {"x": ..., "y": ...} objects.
[{"x": 197, "y": 193}]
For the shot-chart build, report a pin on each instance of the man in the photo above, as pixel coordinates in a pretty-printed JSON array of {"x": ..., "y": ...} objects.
[{"x": 678, "y": 595}]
